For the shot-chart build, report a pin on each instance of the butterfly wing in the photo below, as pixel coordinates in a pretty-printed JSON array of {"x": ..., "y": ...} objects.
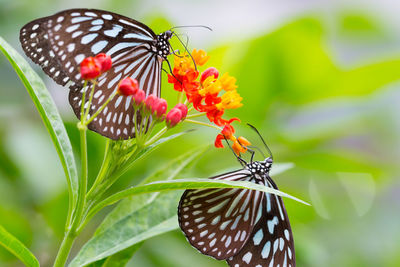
[
  {"x": 118, "y": 119},
  {"x": 271, "y": 241},
  {"x": 218, "y": 222},
  {"x": 60, "y": 42}
]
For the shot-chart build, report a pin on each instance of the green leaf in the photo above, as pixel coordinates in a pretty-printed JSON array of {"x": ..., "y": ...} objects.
[
  {"x": 190, "y": 183},
  {"x": 50, "y": 116},
  {"x": 119, "y": 259},
  {"x": 128, "y": 214},
  {"x": 156, "y": 218},
  {"x": 12, "y": 244},
  {"x": 169, "y": 172},
  {"x": 149, "y": 221}
]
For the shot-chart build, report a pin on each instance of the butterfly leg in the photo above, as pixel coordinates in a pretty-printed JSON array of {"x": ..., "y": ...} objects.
[{"x": 239, "y": 158}]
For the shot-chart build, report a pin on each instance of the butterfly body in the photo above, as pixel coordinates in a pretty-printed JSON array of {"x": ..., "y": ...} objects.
[
  {"x": 59, "y": 43},
  {"x": 244, "y": 227}
]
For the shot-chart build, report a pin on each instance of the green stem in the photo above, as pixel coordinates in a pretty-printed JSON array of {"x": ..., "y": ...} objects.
[
  {"x": 156, "y": 136},
  {"x": 71, "y": 233},
  {"x": 204, "y": 124},
  {"x": 83, "y": 100},
  {"x": 180, "y": 97},
  {"x": 101, "y": 108},
  {"x": 195, "y": 115},
  {"x": 103, "y": 170},
  {"x": 90, "y": 100},
  {"x": 64, "y": 250}
]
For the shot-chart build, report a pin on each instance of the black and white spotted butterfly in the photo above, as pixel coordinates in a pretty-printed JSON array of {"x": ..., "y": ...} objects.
[
  {"x": 243, "y": 227},
  {"x": 60, "y": 42}
]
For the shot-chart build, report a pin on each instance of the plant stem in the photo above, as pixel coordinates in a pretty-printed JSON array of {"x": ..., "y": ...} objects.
[
  {"x": 90, "y": 100},
  {"x": 71, "y": 233},
  {"x": 102, "y": 171},
  {"x": 101, "y": 108},
  {"x": 64, "y": 250},
  {"x": 156, "y": 136},
  {"x": 204, "y": 124},
  {"x": 191, "y": 116}
]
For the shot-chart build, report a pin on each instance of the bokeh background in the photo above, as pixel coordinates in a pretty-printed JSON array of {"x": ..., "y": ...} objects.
[{"x": 319, "y": 78}]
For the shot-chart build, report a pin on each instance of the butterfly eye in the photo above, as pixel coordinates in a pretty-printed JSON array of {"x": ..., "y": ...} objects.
[{"x": 268, "y": 160}]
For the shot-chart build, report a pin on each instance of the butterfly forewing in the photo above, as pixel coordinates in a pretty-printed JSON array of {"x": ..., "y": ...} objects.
[
  {"x": 271, "y": 242},
  {"x": 60, "y": 42},
  {"x": 218, "y": 222}
]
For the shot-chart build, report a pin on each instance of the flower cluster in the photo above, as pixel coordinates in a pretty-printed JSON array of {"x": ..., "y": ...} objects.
[{"x": 209, "y": 93}]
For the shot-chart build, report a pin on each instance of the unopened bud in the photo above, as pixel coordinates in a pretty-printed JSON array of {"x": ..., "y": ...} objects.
[
  {"x": 174, "y": 116},
  {"x": 128, "y": 86},
  {"x": 105, "y": 62},
  {"x": 209, "y": 72}
]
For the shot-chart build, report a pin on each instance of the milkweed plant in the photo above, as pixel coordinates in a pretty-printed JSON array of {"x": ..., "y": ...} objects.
[{"x": 202, "y": 91}]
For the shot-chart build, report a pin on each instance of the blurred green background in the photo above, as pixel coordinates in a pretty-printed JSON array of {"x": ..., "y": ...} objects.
[{"x": 319, "y": 79}]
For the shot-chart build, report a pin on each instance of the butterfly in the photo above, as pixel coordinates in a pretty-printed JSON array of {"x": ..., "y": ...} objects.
[
  {"x": 60, "y": 42},
  {"x": 243, "y": 227}
]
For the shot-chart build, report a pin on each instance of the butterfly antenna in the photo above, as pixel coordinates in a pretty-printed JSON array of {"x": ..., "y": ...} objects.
[
  {"x": 262, "y": 139},
  {"x": 187, "y": 50},
  {"x": 258, "y": 149},
  {"x": 241, "y": 161},
  {"x": 186, "y": 36},
  {"x": 171, "y": 72},
  {"x": 250, "y": 150},
  {"x": 192, "y": 26}
]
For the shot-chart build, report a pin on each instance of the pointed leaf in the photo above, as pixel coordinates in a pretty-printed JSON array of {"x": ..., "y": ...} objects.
[
  {"x": 49, "y": 114},
  {"x": 12, "y": 244},
  {"x": 169, "y": 172}
]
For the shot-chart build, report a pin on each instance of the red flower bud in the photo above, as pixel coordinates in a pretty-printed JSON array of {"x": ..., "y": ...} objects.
[
  {"x": 139, "y": 97},
  {"x": 174, "y": 116},
  {"x": 90, "y": 68},
  {"x": 183, "y": 108},
  {"x": 160, "y": 107},
  {"x": 228, "y": 131},
  {"x": 150, "y": 101},
  {"x": 208, "y": 72},
  {"x": 128, "y": 86},
  {"x": 105, "y": 62}
]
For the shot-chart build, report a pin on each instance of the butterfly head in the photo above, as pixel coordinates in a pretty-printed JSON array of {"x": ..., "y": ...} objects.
[
  {"x": 260, "y": 167},
  {"x": 163, "y": 46}
]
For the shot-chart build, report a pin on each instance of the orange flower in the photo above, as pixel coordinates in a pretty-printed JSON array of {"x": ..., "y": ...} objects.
[
  {"x": 239, "y": 144},
  {"x": 228, "y": 82},
  {"x": 238, "y": 148},
  {"x": 243, "y": 141},
  {"x": 200, "y": 57},
  {"x": 230, "y": 100}
]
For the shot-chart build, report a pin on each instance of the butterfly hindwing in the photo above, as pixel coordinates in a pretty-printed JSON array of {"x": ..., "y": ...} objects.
[
  {"x": 218, "y": 222},
  {"x": 271, "y": 242},
  {"x": 118, "y": 119}
]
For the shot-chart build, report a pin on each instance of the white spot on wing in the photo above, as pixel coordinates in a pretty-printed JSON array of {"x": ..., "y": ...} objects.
[
  {"x": 107, "y": 16},
  {"x": 88, "y": 38},
  {"x": 266, "y": 249},
  {"x": 79, "y": 58},
  {"x": 97, "y": 47},
  {"x": 247, "y": 257},
  {"x": 258, "y": 237}
]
